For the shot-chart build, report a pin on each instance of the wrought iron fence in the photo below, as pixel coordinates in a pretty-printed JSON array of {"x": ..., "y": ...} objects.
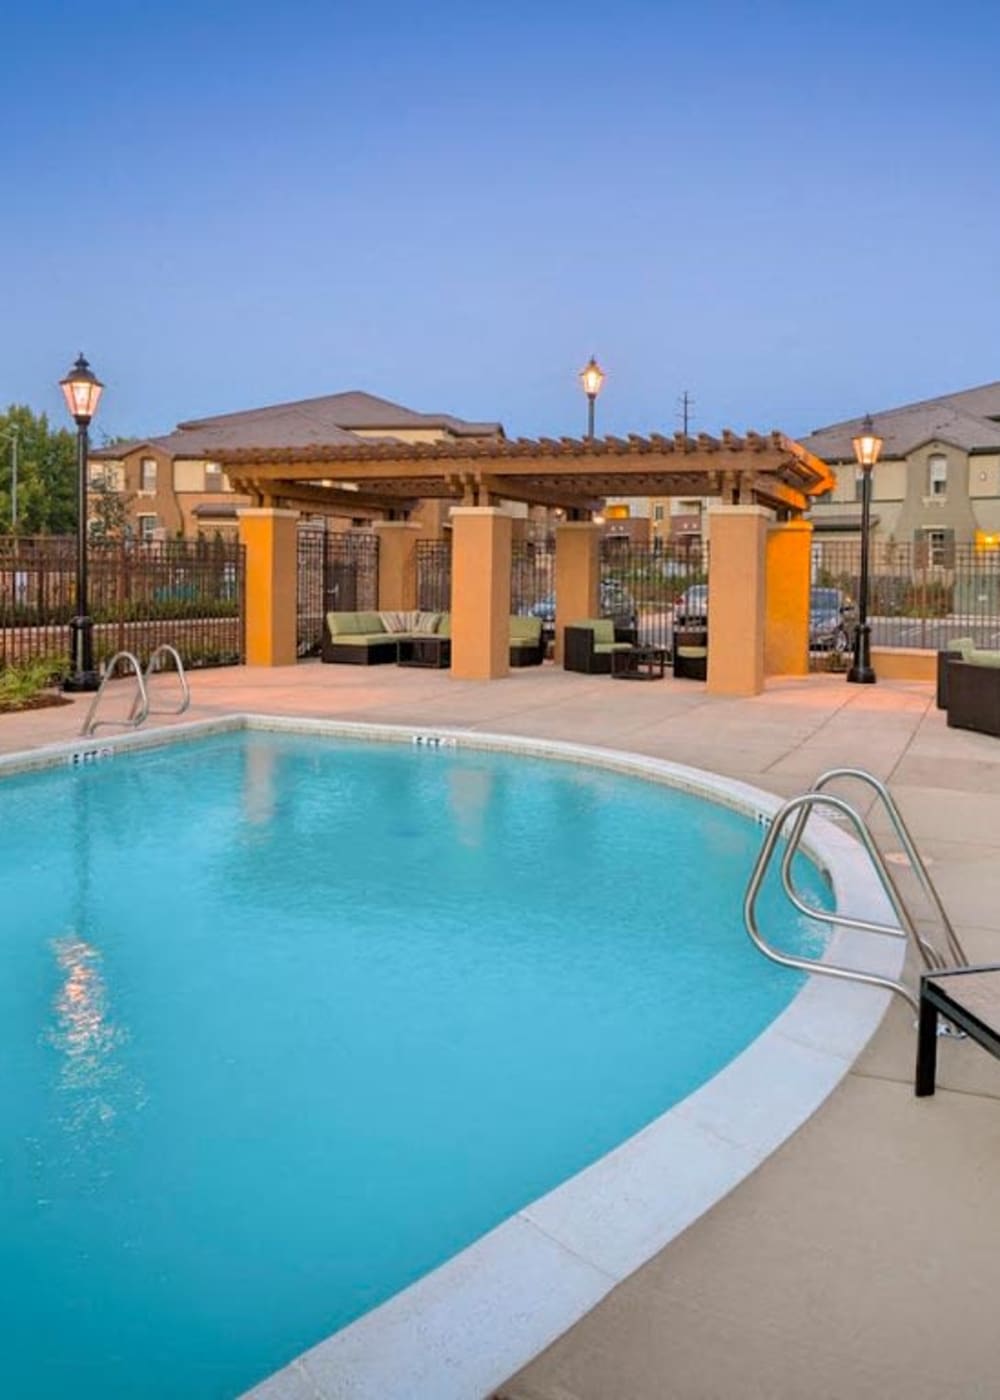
[
  {"x": 189, "y": 593},
  {"x": 652, "y": 586},
  {"x": 434, "y": 575},
  {"x": 919, "y": 594},
  {"x": 533, "y": 579},
  {"x": 337, "y": 572}
]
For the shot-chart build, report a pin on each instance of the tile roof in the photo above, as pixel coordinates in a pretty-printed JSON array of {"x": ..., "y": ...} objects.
[
  {"x": 964, "y": 419},
  {"x": 328, "y": 420}
]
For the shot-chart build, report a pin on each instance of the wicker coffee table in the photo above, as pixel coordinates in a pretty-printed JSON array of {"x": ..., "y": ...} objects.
[
  {"x": 639, "y": 664},
  {"x": 431, "y": 651}
]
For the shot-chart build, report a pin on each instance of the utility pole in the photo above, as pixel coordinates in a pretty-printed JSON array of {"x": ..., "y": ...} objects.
[{"x": 686, "y": 404}]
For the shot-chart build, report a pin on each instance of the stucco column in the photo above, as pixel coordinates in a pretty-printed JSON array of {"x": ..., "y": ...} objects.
[
  {"x": 480, "y": 593},
  {"x": 397, "y": 564},
  {"x": 578, "y": 575},
  {"x": 789, "y": 572},
  {"x": 737, "y": 574},
  {"x": 271, "y": 540}
]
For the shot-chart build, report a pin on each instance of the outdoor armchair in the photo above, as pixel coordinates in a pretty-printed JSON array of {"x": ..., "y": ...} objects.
[{"x": 588, "y": 645}]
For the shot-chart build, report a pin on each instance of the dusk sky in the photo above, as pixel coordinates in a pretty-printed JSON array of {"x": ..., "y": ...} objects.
[{"x": 790, "y": 209}]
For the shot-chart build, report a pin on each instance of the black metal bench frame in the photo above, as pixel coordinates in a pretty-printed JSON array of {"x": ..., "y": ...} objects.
[{"x": 935, "y": 1001}]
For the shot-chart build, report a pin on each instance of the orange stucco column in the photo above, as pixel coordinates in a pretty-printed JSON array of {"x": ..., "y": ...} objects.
[
  {"x": 786, "y": 625},
  {"x": 397, "y": 564},
  {"x": 578, "y": 575},
  {"x": 271, "y": 541},
  {"x": 737, "y": 574},
  {"x": 480, "y": 593}
]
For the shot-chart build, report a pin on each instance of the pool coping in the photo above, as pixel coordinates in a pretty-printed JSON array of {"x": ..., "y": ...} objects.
[{"x": 461, "y": 1330}]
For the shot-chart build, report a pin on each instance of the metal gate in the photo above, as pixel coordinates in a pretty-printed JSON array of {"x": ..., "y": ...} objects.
[
  {"x": 338, "y": 572},
  {"x": 434, "y": 575},
  {"x": 655, "y": 586}
]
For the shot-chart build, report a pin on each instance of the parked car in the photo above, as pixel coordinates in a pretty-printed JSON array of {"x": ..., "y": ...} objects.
[
  {"x": 691, "y": 608},
  {"x": 830, "y": 613},
  {"x": 830, "y": 610},
  {"x": 615, "y": 600}
]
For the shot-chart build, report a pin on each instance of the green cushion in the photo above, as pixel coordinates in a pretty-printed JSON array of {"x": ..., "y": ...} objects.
[
  {"x": 603, "y": 648},
  {"x": 982, "y": 658},
  {"x": 693, "y": 653},
  {"x": 353, "y": 624},
  {"x": 522, "y": 643},
  {"x": 444, "y": 625},
  {"x": 526, "y": 629},
  {"x": 963, "y": 645},
  {"x": 343, "y": 624},
  {"x": 603, "y": 628},
  {"x": 366, "y": 639}
]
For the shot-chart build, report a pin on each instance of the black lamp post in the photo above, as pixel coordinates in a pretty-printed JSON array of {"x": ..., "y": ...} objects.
[
  {"x": 591, "y": 377},
  {"x": 867, "y": 446},
  {"x": 81, "y": 390}
]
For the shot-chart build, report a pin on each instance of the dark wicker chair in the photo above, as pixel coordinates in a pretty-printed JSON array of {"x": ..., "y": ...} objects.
[
  {"x": 955, "y": 651},
  {"x": 973, "y": 697},
  {"x": 691, "y": 655},
  {"x": 579, "y": 652}
]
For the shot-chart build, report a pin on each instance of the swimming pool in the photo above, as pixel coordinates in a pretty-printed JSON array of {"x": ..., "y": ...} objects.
[{"x": 290, "y": 1021}]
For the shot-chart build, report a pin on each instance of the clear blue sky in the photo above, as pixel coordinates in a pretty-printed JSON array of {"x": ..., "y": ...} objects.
[{"x": 790, "y": 208}]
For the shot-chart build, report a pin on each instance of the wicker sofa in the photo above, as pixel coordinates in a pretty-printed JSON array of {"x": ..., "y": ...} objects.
[
  {"x": 589, "y": 645},
  {"x": 365, "y": 638}
]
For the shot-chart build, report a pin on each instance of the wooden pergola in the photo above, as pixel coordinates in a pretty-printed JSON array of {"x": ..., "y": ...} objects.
[
  {"x": 572, "y": 474},
  {"x": 759, "y": 567}
]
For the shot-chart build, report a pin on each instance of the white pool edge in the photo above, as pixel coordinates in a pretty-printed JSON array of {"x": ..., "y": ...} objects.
[{"x": 460, "y": 1331}]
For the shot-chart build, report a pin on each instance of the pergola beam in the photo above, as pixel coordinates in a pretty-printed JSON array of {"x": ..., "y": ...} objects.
[{"x": 567, "y": 472}]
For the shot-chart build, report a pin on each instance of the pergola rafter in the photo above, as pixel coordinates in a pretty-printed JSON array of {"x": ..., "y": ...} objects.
[{"x": 572, "y": 473}]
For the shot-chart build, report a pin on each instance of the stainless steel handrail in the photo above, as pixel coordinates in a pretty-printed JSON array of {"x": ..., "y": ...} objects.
[
  {"x": 958, "y": 954},
  {"x": 140, "y": 704},
  {"x": 165, "y": 649},
  {"x": 804, "y": 804}
]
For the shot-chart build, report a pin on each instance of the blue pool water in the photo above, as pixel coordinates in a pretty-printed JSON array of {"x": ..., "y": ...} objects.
[{"x": 286, "y": 1022}]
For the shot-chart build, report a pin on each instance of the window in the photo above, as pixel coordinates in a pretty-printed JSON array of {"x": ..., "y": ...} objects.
[
  {"x": 859, "y": 484},
  {"x": 657, "y": 513},
  {"x": 147, "y": 525},
  {"x": 937, "y": 473},
  {"x": 937, "y": 547},
  {"x": 213, "y": 477},
  {"x": 147, "y": 475}
]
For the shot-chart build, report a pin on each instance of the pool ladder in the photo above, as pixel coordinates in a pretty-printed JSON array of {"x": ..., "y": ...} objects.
[
  {"x": 795, "y": 814},
  {"x": 141, "y": 708}
]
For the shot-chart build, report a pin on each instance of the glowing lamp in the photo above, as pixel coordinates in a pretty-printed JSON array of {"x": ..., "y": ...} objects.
[
  {"x": 82, "y": 391},
  {"x": 867, "y": 445}
]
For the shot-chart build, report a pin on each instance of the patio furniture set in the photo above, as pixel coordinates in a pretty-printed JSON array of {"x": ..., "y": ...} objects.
[
  {"x": 600, "y": 646},
  {"x": 596, "y": 646},
  {"x": 414, "y": 639},
  {"x": 968, "y": 686}
]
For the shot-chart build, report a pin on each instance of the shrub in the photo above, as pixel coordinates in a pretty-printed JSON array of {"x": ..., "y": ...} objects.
[{"x": 23, "y": 682}]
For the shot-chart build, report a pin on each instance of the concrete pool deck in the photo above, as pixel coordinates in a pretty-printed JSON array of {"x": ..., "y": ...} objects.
[{"x": 861, "y": 1258}]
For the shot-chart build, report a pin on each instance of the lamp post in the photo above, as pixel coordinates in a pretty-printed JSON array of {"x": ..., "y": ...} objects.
[
  {"x": 591, "y": 377},
  {"x": 867, "y": 446},
  {"x": 81, "y": 390}
]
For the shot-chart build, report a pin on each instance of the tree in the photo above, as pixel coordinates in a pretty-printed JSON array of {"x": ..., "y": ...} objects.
[
  {"x": 46, "y": 474},
  {"x": 108, "y": 510}
]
